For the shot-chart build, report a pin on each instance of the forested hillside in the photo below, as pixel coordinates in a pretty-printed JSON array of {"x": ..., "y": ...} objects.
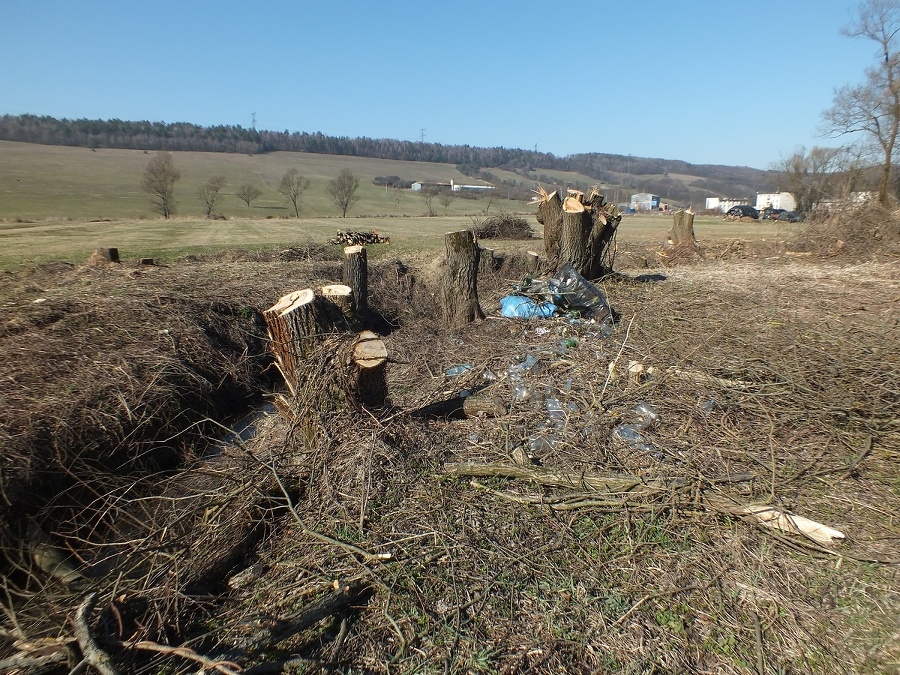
[{"x": 673, "y": 179}]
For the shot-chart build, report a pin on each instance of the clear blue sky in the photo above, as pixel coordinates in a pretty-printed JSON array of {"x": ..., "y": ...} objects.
[{"x": 706, "y": 81}]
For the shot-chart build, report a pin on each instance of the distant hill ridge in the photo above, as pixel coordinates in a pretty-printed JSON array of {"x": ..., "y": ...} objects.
[{"x": 640, "y": 173}]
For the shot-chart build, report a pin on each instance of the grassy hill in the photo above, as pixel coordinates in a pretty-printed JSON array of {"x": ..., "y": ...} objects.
[{"x": 48, "y": 181}]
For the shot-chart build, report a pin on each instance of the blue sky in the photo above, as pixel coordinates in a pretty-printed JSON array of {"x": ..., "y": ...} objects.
[{"x": 719, "y": 82}]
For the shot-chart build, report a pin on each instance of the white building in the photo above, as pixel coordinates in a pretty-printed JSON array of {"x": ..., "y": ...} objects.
[
  {"x": 775, "y": 200},
  {"x": 722, "y": 203}
]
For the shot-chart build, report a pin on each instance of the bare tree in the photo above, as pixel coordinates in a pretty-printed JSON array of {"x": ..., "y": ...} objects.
[
  {"x": 428, "y": 195},
  {"x": 342, "y": 191},
  {"x": 208, "y": 193},
  {"x": 446, "y": 198},
  {"x": 247, "y": 193},
  {"x": 292, "y": 186},
  {"x": 159, "y": 182},
  {"x": 872, "y": 109},
  {"x": 814, "y": 175}
]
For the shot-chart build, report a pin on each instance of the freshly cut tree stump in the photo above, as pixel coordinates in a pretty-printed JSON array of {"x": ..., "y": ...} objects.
[
  {"x": 459, "y": 291},
  {"x": 574, "y": 236},
  {"x": 342, "y": 297},
  {"x": 368, "y": 370},
  {"x": 682, "y": 232},
  {"x": 356, "y": 275},
  {"x": 578, "y": 231}
]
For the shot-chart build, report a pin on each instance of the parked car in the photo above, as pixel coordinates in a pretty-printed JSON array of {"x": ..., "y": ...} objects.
[
  {"x": 741, "y": 211},
  {"x": 789, "y": 217},
  {"x": 772, "y": 214}
]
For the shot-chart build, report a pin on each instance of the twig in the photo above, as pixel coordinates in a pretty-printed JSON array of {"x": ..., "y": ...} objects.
[
  {"x": 661, "y": 594},
  {"x": 616, "y": 360},
  {"x": 89, "y": 648},
  {"x": 224, "y": 667},
  {"x": 24, "y": 661}
]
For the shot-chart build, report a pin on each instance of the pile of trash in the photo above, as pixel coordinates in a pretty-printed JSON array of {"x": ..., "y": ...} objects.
[
  {"x": 351, "y": 238},
  {"x": 567, "y": 292}
]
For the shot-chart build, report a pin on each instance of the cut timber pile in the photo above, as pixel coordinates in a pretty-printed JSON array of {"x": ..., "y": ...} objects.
[
  {"x": 578, "y": 230},
  {"x": 350, "y": 238}
]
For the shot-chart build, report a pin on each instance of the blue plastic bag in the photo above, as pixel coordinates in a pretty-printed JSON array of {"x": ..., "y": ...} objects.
[{"x": 520, "y": 307}]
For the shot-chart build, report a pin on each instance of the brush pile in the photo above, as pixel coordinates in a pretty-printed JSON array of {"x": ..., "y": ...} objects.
[{"x": 593, "y": 520}]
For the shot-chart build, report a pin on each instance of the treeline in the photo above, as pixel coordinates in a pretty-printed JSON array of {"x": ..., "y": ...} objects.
[{"x": 473, "y": 161}]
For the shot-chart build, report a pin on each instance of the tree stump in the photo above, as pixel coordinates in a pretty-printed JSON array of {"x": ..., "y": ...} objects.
[
  {"x": 292, "y": 330},
  {"x": 682, "y": 232},
  {"x": 580, "y": 232},
  {"x": 574, "y": 236},
  {"x": 101, "y": 255},
  {"x": 681, "y": 245},
  {"x": 367, "y": 370},
  {"x": 342, "y": 297},
  {"x": 459, "y": 291},
  {"x": 356, "y": 275}
]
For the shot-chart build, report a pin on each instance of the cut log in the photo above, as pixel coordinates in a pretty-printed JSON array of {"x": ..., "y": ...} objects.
[
  {"x": 356, "y": 275},
  {"x": 368, "y": 370},
  {"x": 342, "y": 297},
  {"x": 485, "y": 403},
  {"x": 459, "y": 291}
]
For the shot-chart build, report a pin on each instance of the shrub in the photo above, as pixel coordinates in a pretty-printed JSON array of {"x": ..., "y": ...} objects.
[{"x": 504, "y": 226}]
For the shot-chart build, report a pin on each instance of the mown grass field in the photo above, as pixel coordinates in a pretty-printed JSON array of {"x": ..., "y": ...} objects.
[{"x": 39, "y": 182}]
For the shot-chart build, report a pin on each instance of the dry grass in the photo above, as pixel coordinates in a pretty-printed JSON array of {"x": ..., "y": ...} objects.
[{"x": 789, "y": 370}]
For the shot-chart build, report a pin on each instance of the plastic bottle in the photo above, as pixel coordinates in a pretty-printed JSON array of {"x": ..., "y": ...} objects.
[{"x": 458, "y": 370}]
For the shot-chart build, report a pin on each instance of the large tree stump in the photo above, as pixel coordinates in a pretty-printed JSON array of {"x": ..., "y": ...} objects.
[
  {"x": 356, "y": 275},
  {"x": 367, "y": 370},
  {"x": 459, "y": 291},
  {"x": 682, "y": 232},
  {"x": 581, "y": 231}
]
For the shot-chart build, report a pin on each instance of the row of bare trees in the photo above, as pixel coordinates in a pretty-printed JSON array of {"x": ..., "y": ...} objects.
[{"x": 160, "y": 177}]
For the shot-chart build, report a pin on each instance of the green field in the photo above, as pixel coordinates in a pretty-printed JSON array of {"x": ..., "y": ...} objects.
[
  {"x": 61, "y": 203},
  {"x": 42, "y": 181}
]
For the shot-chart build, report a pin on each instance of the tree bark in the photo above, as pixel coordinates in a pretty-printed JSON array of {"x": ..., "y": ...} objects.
[
  {"x": 356, "y": 275},
  {"x": 549, "y": 215},
  {"x": 574, "y": 237},
  {"x": 602, "y": 232},
  {"x": 459, "y": 292}
]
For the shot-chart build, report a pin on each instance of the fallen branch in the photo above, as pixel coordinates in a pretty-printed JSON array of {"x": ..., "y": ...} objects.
[
  {"x": 89, "y": 648},
  {"x": 224, "y": 667},
  {"x": 570, "y": 479}
]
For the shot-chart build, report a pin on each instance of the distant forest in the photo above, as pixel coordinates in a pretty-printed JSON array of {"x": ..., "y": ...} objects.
[{"x": 638, "y": 173}]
